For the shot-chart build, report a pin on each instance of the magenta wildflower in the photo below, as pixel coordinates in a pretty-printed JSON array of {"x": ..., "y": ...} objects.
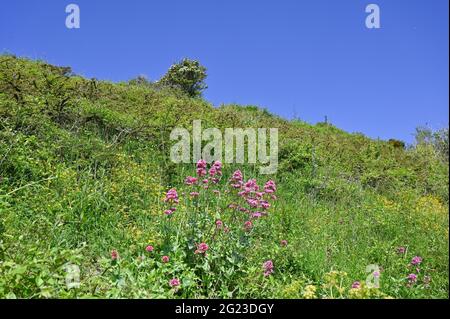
[
  {"x": 401, "y": 250},
  {"x": 172, "y": 196},
  {"x": 149, "y": 248},
  {"x": 217, "y": 166},
  {"x": 416, "y": 260},
  {"x": 201, "y": 164},
  {"x": 284, "y": 243},
  {"x": 252, "y": 202},
  {"x": 256, "y": 214},
  {"x": 248, "y": 225},
  {"x": 268, "y": 268},
  {"x": 175, "y": 282},
  {"x": 356, "y": 285},
  {"x": 191, "y": 180},
  {"x": 412, "y": 278},
  {"x": 201, "y": 168},
  {"x": 265, "y": 204},
  {"x": 165, "y": 259},
  {"x": 270, "y": 187},
  {"x": 237, "y": 177},
  {"x": 114, "y": 255},
  {"x": 201, "y": 248},
  {"x": 219, "y": 224},
  {"x": 168, "y": 212}
]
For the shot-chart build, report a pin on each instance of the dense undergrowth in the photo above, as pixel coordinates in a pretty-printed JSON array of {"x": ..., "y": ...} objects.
[{"x": 84, "y": 180}]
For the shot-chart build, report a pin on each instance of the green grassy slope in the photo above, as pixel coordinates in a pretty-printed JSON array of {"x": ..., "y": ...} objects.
[{"x": 84, "y": 166}]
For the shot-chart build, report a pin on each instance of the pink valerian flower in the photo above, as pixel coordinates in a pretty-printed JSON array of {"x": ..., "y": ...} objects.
[
  {"x": 356, "y": 285},
  {"x": 248, "y": 225},
  {"x": 284, "y": 243},
  {"x": 252, "y": 202},
  {"x": 169, "y": 212},
  {"x": 401, "y": 250},
  {"x": 257, "y": 214},
  {"x": 191, "y": 180},
  {"x": 175, "y": 282},
  {"x": 264, "y": 204},
  {"x": 214, "y": 180},
  {"x": 237, "y": 185},
  {"x": 274, "y": 197},
  {"x": 251, "y": 185},
  {"x": 259, "y": 195},
  {"x": 219, "y": 224},
  {"x": 244, "y": 193},
  {"x": 149, "y": 248},
  {"x": 114, "y": 255},
  {"x": 416, "y": 261},
  {"x": 202, "y": 248},
  {"x": 205, "y": 181},
  {"x": 217, "y": 165},
  {"x": 201, "y": 172},
  {"x": 268, "y": 268},
  {"x": 171, "y": 196},
  {"x": 412, "y": 278},
  {"x": 201, "y": 168},
  {"x": 201, "y": 164},
  {"x": 270, "y": 187},
  {"x": 165, "y": 259},
  {"x": 237, "y": 177},
  {"x": 212, "y": 171}
]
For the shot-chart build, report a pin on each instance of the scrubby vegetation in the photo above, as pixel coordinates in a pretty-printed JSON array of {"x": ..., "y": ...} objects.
[{"x": 85, "y": 180}]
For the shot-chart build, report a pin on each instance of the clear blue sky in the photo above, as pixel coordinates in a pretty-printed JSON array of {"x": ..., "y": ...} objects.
[{"x": 305, "y": 58}]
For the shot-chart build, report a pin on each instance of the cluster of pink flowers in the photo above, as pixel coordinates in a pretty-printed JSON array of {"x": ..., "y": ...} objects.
[
  {"x": 412, "y": 278},
  {"x": 202, "y": 248},
  {"x": 237, "y": 179},
  {"x": 114, "y": 255},
  {"x": 401, "y": 250},
  {"x": 165, "y": 259},
  {"x": 248, "y": 225},
  {"x": 214, "y": 171},
  {"x": 174, "y": 282},
  {"x": 149, "y": 248},
  {"x": 416, "y": 261},
  {"x": 356, "y": 285},
  {"x": 268, "y": 268},
  {"x": 284, "y": 243},
  {"x": 191, "y": 180},
  {"x": 171, "y": 198},
  {"x": 257, "y": 201}
]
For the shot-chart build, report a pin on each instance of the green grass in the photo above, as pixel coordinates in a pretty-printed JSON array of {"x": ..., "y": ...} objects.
[{"x": 84, "y": 167}]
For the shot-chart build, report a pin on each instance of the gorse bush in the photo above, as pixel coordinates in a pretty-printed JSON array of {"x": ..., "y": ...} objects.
[
  {"x": 188, "y": 75},
  {"x": 86, "y": 181}
]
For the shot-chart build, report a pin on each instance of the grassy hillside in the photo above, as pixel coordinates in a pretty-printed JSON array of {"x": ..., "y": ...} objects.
[{"x": 85, "y": 168}]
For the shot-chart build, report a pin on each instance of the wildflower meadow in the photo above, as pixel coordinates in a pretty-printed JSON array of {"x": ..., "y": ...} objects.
[{"x": 92, "y": 206}]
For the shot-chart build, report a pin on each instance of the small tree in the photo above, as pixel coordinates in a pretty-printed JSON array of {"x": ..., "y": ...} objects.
[{"x": 188, "y": 75}]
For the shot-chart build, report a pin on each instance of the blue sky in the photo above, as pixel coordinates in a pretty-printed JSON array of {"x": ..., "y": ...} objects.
[{"x": 296, "y": 58}]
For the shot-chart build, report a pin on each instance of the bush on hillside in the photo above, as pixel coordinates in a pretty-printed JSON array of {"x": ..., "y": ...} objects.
[{"x": 188, "y": 75}]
